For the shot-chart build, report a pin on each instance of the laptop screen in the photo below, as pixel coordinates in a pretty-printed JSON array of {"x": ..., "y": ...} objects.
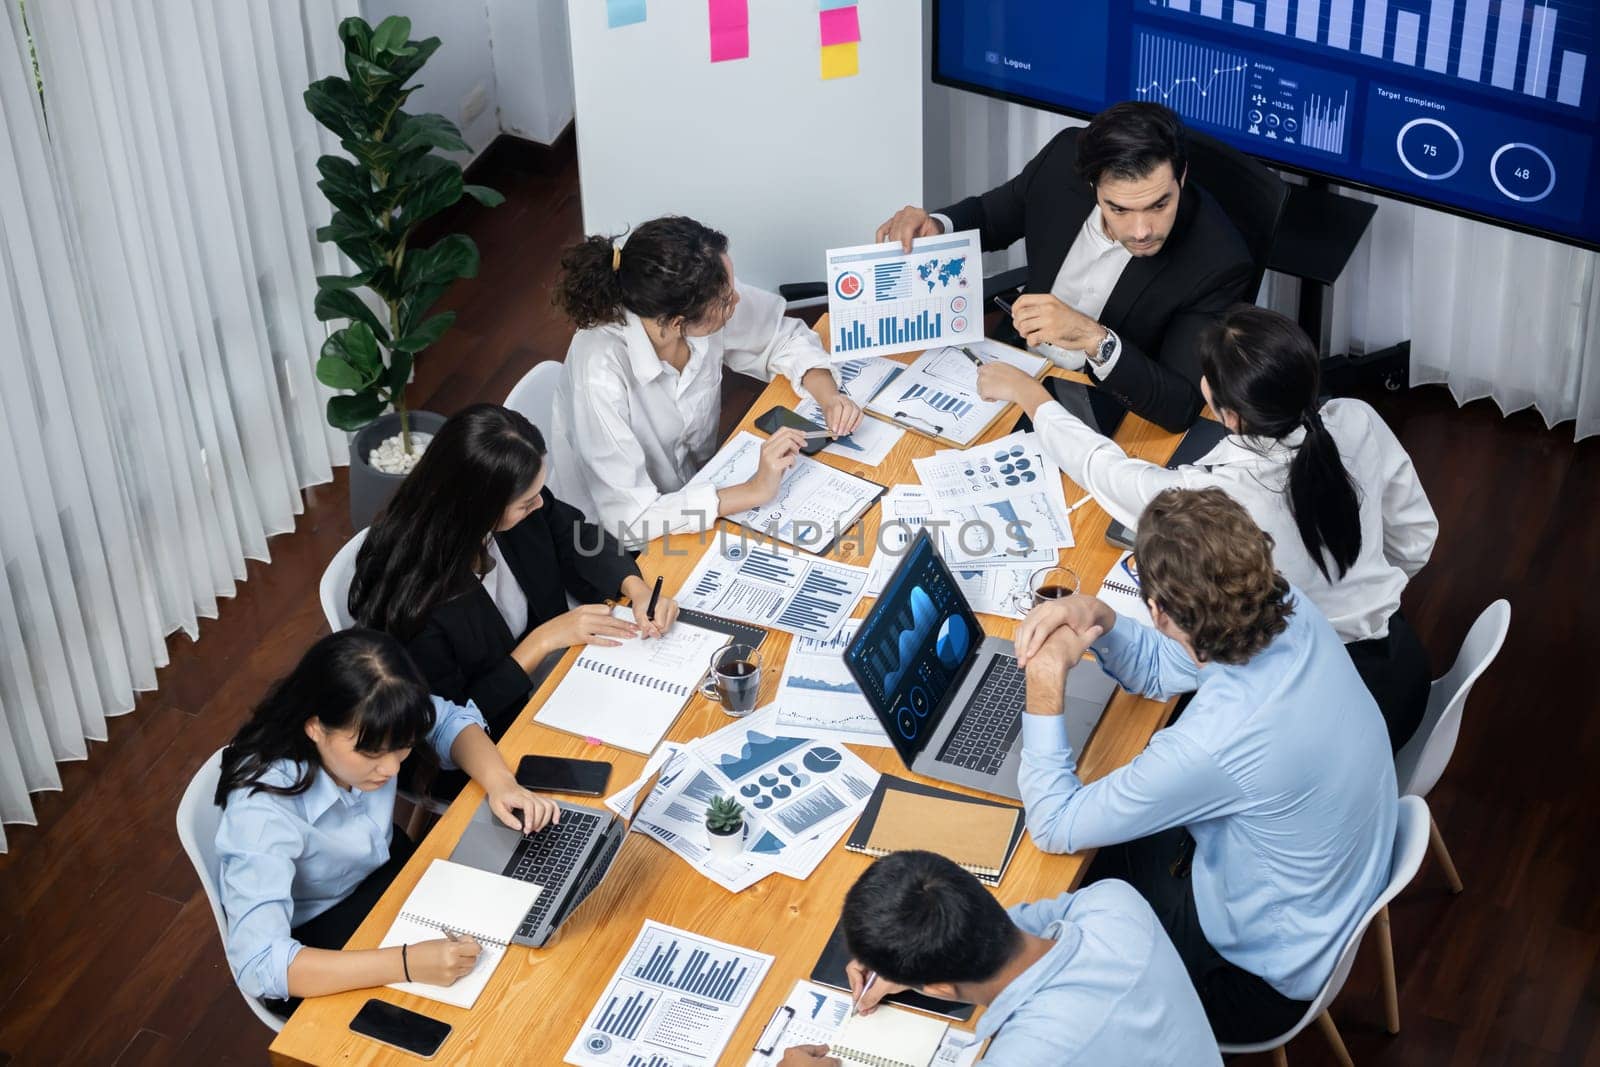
[{"x": 913, "y": 646}]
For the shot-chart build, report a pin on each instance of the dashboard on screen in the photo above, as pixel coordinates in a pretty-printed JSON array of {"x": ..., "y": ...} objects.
[{"x": 1487, "y": 108}]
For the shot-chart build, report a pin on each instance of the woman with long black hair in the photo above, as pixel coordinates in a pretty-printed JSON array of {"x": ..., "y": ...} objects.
[
  {"x": 1328, "y": 481},
  {"x": 472, "y": 562},
  {"x": 660, "y": 316},
  {"x": 307, "y": 841}
]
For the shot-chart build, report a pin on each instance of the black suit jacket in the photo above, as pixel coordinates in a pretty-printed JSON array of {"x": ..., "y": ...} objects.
[
  {"x": 464, "y": 647},
  {"x": 1160, "y": 304}
]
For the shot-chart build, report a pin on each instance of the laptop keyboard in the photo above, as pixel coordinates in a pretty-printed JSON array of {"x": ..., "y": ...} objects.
[
  {"x": 545, "y": 858},
  {"x": 991, "y": 722}
]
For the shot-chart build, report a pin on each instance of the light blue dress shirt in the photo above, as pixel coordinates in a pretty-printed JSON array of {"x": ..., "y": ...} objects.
[
  {"x": 287, "y": 859},
  {"x": 1280, "y": 769},
  {"x": 1112, "y": 991}
]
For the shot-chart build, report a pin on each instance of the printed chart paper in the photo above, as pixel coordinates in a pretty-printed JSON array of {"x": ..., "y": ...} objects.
[
  {"x": 815, "y": 502},
  {"x": 738, "y": 578},
  {"x": 814, "y": 1014},
  {"x": 882, "y": 300},
  {"x": 873, "y": 439},
  {"x": 938, "y": 396},
  {"x": 675, "y": 1001},
  {"x": 817, "y": 696}
]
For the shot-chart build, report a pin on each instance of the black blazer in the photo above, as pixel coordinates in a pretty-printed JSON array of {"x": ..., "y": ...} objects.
[
  {"x": 1160, "y": 304},
  {"x": 464, "y": 647}
]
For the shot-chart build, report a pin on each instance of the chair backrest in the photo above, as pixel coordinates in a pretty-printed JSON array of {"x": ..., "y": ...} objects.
[
  {"x": 334, "y": 589},
  {"x": 1410, "y": 845},
  {"x": 198, "y": 817},
  {"x": 1248, "y": 191},
  {"x": 1419, "y": 764},
  {"x": 534, "y": 396}
]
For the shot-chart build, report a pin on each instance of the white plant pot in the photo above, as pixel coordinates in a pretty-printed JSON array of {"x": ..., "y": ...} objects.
[{"x": 727, "y": 847}]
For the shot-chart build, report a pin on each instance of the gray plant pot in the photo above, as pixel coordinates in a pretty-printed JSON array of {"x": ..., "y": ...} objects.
[{"x": 370, "y": 488}]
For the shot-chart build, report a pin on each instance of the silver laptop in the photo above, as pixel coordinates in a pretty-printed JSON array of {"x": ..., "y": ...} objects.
[
  {"x": 949, "y": 696},
  {"x": 568, "y": 859}
]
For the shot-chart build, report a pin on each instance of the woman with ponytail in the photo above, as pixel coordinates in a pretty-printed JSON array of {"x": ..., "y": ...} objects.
[
  {"x": 307, "y": 841},
  {"x": 660, "y": 316},
  {"x": 1329, "y": 482},
  {"x": 472, "y": 563}
]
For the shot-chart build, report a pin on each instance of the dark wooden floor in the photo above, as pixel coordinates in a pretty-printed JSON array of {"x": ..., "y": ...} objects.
[{"x": 108, "y": 953}]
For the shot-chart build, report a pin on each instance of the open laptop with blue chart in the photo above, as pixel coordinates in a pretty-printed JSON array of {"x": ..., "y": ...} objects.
[{"x": 949, "y": 696}]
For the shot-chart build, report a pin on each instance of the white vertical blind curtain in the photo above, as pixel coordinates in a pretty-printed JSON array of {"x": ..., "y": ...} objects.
[
  {"x": 157, "y": 346},
  {"x": 1489, "y": 312}
]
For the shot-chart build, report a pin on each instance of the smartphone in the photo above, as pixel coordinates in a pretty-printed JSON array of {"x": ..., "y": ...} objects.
[
  {"x": 407, "y": 1031},
  {"x": 556, "y": 774},
  {"x": 775, "y": 417}
]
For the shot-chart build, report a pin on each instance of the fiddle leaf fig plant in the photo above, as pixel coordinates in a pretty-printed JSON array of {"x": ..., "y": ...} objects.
[{"x": 390, "y": 182}]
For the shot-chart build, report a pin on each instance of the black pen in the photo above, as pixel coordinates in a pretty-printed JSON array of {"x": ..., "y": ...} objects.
[
  {"x": 655, "y": 598},
  {"x": 977, "y": 360}
]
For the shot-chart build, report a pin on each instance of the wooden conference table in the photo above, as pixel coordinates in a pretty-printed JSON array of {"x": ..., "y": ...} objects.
[{"x": 538, "y": 999}]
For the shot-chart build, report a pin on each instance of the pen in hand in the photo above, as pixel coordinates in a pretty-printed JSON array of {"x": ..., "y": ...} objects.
[
  {"x": 655, "y": 598},
  {"x": 855, "y": 1005},
  {"x": 977, "y": 360}
]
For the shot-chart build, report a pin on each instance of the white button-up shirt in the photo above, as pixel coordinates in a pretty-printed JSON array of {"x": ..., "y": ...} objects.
[
  {"x": 503, "y": 588},
  {"x": 630, "y": 432},
  {"x": 1093, "y": 266},
  {"x": 1398, "y": 526}
]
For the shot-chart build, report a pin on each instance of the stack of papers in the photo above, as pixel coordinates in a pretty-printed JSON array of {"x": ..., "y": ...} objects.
[
  {"x": 860, "y": 380},
  {"x": 751, "y": 581},
  {"x": 800, "y": 796},
  {"x": 992, "y": 586},
  {"x": 819, "y": 698}
]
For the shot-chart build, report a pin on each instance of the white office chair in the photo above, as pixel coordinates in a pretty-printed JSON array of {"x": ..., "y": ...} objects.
[
  {"x": 1419, "y": 764},
  {"x": 197, "y": 832},
  {"x": 1410, "y": 845},
  {"x": 534, "y": 396},
  {"x": 334, "y": 589}
]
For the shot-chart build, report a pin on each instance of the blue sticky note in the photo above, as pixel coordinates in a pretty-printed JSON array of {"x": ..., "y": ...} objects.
[
  {"x": 624, "y": 12},
  {"x": 829, "y": 5}
]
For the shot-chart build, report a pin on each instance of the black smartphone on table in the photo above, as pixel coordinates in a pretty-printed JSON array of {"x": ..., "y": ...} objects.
[
  {"x": 777, "y": 417},
  {"x": 558, "y": 774},
  {"x": 400, "y": 1028}
]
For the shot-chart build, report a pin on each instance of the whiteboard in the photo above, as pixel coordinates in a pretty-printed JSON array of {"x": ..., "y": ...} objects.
[{"x": 784, "y": 163}]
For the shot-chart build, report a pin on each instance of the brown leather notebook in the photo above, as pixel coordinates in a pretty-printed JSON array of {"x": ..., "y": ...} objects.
[{"x": 977, "y": 834}]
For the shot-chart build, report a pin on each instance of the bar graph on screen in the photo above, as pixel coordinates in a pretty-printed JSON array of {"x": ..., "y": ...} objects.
[{"x": 1519, "y": 46}]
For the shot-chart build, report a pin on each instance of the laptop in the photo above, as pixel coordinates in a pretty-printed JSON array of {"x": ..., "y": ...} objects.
[
  {"x": 569, "y": 859},
  {"x": 950, "y": 697}
]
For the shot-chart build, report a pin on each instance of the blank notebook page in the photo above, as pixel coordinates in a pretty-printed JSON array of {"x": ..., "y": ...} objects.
[
  {"x": 889, "y": 1037},
  {"x": 481, "y": 904}
]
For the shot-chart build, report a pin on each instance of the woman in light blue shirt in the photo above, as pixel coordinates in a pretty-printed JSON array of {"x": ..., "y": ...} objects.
[
  {"x": 1260, "y": 825},
  {"x": 307, "y": 842}
]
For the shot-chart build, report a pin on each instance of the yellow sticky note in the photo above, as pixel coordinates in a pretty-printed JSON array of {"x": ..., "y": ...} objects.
[{"x": 840, "y": 60}]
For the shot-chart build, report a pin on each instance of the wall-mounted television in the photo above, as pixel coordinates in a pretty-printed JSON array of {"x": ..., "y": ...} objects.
[{"x": 1484, "y": 108}]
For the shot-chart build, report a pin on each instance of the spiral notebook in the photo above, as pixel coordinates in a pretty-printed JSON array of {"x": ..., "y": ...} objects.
[
  {"x": 979, "y": 835},
  {"x": 889, "y": 1037},
  {"x": 464, "y": 900}
]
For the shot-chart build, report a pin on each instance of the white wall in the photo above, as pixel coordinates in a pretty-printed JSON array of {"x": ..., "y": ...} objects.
[
  {"x": 532, "y": 66},
  {"x": 763, "y": 149},
  {"x": 513, "y": 52}
]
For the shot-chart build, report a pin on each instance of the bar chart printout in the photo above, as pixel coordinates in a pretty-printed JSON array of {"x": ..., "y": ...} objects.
[
  {"x": 1515, "y": 45},
  {"x": 882, "y": 300},
  {"x": 674, "y": 1001}
]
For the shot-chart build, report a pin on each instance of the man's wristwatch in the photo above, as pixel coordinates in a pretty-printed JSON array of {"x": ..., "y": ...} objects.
[{"x": 1101, "y": 353}]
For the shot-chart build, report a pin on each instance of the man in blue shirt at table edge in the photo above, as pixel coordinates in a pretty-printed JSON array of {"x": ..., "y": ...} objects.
[
  {"x": 1088, "y": 977},
  {"x": 1260, "y": 825}
]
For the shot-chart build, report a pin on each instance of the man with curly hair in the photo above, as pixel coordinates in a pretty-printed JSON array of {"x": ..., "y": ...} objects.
[{"x": 1259, "y": 826}]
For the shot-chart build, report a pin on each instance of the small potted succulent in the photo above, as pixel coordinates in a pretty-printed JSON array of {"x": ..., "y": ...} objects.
[{"x": 725, "y": 828}]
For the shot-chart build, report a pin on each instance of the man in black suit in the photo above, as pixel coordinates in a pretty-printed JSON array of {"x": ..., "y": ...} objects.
[{"x": 1128, "y": 261}]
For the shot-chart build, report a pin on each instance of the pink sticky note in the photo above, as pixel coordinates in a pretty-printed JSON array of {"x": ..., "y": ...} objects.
[
  {"x": 731, "y": 43},
  {"x": 839, "y": 26},
  {"x": 726, "y": 14}
]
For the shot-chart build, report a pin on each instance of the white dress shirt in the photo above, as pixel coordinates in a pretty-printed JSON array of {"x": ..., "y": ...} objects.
[
  {"x": 630, "y": 432},
  {"x": 1398, "y": 527},
  {"x": 506, "y": 592},
  {"x": 1093, "y": 266}
]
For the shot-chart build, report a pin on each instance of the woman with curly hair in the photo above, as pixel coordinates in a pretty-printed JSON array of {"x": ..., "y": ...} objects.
[
  {"x": 660, "y": 316},
  {"x": 1260, "y": 824}
]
